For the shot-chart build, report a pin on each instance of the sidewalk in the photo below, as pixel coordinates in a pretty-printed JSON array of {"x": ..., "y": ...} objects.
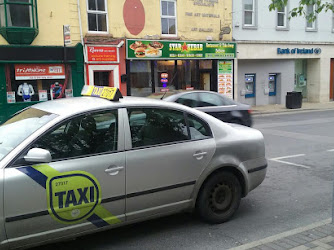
[
  {"x": 278, "y": 108},
  {"x": 319, "y": 235}
]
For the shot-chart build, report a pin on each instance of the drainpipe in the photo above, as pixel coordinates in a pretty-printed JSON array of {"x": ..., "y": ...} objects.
[{"x": 82, "y": 41}]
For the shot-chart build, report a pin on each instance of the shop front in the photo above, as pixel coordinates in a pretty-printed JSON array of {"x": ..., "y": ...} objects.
[
  {"x": 266, "y": 72},
  {"x": 168, "y": 66},
  {"x": 105, "y": 64},
  {"x": 32, "y": 74}
]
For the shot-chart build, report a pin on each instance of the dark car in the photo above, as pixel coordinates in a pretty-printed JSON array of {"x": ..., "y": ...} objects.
[{"x": 216, "y": 105}]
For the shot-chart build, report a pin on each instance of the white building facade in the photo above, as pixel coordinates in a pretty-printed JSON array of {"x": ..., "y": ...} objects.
[{"x": 277, "y": 55}]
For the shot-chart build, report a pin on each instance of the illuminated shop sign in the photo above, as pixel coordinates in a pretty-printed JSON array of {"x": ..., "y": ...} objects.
[
  {"x": 287, "y": 51},
  {"x": 141, "y": 49}
]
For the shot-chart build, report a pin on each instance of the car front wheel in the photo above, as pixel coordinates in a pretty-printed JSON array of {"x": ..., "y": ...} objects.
[{"x": 219, "y": 198}]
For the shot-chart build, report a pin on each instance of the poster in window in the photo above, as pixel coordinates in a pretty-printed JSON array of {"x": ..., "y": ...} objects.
[
  {"x": 68, "y": 93},
  {"x": 225, "y": 78},
  {"x": 11, "y": 97},
  {"x": 43, "y": 95}
]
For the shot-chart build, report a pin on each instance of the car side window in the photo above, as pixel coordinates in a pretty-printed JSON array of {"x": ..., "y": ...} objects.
[
  {"x": 83, "y": 135},
  {"x": 189, "y": 100},
  {"x": 208, "y": 99},
  {"x": 153, "y": 126},
  {"x": 198, "y": 129}
]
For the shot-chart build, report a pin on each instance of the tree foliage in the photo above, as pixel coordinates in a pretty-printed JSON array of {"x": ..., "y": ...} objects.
[{"x": 300, "y": 9}]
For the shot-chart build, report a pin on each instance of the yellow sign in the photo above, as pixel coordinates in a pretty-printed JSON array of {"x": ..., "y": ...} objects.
[
  {"x": 74, "y": 196},
  {"x": 109, "y": 93}
]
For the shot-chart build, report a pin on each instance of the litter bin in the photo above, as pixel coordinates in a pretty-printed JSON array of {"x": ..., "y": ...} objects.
[{"x": 293, "y": 100}]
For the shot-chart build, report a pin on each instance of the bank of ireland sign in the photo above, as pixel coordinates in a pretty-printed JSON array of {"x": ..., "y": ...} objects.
[{"x": 298, "y": 51}]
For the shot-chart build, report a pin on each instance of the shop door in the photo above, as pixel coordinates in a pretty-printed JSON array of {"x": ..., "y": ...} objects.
[
  {"x": 205, "y": 80},
  {"x": 104, "y": 75},
  {"x": 104, "y": 78},
  {"x": 331, "y": 87}
]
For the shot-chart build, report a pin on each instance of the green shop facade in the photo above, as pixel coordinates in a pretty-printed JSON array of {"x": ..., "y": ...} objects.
[
  {"x": 33, "y": 74},
  {"x": 158, "y": 66}
]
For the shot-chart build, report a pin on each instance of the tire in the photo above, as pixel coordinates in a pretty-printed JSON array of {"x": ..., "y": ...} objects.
[
  {"x": 236, "y": 121},
  {"x": 219, "y": 198}
]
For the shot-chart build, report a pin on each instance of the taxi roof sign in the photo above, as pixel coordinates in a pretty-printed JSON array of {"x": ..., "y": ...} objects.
[{"x": 109, "y": 93}]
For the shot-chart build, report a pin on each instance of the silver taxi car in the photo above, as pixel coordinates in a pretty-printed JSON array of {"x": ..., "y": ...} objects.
[{"x": 79, "y": 165}]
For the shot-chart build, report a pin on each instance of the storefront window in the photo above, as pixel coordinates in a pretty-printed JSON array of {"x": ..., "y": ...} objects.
[
  {"x": 189, "y": 74},
  {"x": 169, "y": 75},
  {"x": 37, "y": 82},
  {"x": 166, "y": 76},
  {"x": 141, "y": 78}
]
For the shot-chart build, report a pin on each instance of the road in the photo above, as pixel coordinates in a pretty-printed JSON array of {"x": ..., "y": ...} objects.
[{"x": 296, "y": 192}]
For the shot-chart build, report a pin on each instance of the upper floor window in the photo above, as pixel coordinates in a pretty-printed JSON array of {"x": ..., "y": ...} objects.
[
  {"x": 333, "y": 22},
  {"x": 311, "y": 25},
  {"x": 97, "y": 15},
  {"x": 282, "y": 18},
  {"x": 249, "y": 13},
  {"x": 168, "y": 18},
  {"x": 18, "y": 13}
]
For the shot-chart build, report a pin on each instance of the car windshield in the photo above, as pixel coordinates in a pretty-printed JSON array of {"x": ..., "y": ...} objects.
[{"x": 18, "y": 128}]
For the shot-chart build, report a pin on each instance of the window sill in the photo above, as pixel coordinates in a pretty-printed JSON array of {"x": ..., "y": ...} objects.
[
  {"x": 249, "y": 27},
  {"x": 311, "y": 30},
  {"x": 282, "y": 29},
  {"x": 170, "y": 36},
  {"x": 90, "y": 32}
]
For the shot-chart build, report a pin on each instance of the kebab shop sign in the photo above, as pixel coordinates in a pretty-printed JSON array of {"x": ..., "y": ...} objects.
[{"x": 98, "y": 54}]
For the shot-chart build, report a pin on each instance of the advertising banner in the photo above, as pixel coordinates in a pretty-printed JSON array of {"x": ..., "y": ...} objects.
[
  {"x": 225, "y": 78},
  {"x": 39, "y": 71},
  {"x": 155, "y": 50},
  {"x": 98, "y": 54}
]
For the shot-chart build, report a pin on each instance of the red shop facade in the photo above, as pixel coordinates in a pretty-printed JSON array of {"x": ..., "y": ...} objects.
[{"x": 105, "y": 64}]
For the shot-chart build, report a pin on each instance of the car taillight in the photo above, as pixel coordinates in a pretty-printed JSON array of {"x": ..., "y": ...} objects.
[{"x": 249, "y": 111}]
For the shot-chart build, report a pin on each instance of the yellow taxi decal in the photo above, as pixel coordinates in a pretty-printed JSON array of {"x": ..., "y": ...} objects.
[{"x": 71, "y": 196}]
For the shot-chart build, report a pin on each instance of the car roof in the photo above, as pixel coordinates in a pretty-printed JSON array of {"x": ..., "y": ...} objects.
[
  {"x": 74, "y": 105},
  {"x": 176, "y": 96}
]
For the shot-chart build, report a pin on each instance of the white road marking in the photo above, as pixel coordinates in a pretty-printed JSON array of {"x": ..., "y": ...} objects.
[
  {"x": 278, "y": 159},
  {"x": 288, "y": 156},
  {"x": 290, "y": 163},
  {"x": 330, "y": 150}
]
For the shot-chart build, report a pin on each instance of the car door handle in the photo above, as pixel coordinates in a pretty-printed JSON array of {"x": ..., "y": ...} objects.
[
  {"x": 114, "y": 170},
  {"x": 199, "y": 155}
]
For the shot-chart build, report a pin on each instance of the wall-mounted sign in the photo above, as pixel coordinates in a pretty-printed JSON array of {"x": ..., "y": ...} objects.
[
  {"x": 143, "y": 49},
  {"x": 225, "y": 78},
  {"x": 207, "y": 3},
  {"x": 102, "y": 54},
  {"x": 39, "y": 71},
  {"x": 287, "y": 51},
  {"x": 67, "y": 35}
]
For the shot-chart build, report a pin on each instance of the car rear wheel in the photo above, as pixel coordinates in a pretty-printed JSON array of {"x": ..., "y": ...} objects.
[{"x": 219, "y": 198}]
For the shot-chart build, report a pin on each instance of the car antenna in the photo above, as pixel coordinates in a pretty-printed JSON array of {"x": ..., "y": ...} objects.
[{"x": 163, "y": 95}]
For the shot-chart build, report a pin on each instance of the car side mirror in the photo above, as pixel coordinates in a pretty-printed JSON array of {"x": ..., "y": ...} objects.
[{"x": 38, "y": 155}]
